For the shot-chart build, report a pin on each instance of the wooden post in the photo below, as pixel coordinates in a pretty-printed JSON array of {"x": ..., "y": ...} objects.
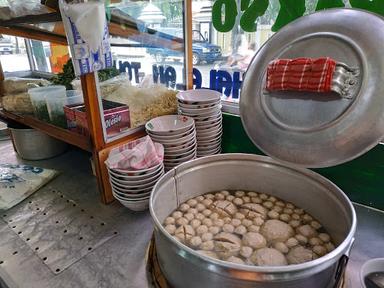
[
  {"x": 188, "y": 43},
  {"x": 92, "y": 109}
]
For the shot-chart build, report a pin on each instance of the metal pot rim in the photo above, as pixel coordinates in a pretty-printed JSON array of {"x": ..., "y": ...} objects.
[{"x": 328, "y": 258}]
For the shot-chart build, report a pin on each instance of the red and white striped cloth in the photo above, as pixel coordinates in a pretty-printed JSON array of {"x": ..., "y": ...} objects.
[
  {"x": 140, "y": 154},
  {"x": 301, "y": 74}
]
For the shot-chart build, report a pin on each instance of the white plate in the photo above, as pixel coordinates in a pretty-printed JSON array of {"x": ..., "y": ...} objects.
[
  {"x": 199, "y": 111},
  {"x": 209, "y": 128},
  {"x": 211, "y": 152},
  {"x": 181, "y": 149},
  {"x": 126, "y": 172},
  {"x": 210, "y": 147},
  {"x": 132, "y": 196},
  {"x": 129, "y": 186},
  {"x": 164, "y": 125},
  {"x": 198, "y": 106},
  {"x": 133, "y": 190},
  {"x": 181, "y": 144},
  {"x": 180, "y": 160},
  {"x": 211, "y": 134},
  {"x": 135, "y": 205},
  {"x": 136, "y": 182},
  {"x": 172, "y": 136},
  {"x": 198, "y": 96},
  {"x": 200, "y": 119},
  {"x": 208, "y": 139},
  {"x": 176, "y": 141},
  {"x": 208, "y": 124},
  {"x": 125, "y": 176},
  {"x": 208, "y": 142},
  {"x": 172, "y": 154}
]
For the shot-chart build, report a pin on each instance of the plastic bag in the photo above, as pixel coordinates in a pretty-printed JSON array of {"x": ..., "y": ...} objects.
[
  {"x": 15, "y": 85},
  {"x": 19, "y": 103},
  {"x": 26, "y": 7}
]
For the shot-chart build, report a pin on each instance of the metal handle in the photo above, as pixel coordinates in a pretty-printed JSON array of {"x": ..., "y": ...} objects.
[
  {"x": 341, "y": 267},
  {"x": 345, "y": 80}
]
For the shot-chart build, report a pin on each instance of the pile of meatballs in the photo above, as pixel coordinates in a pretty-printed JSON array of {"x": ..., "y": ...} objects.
[{"x": 248, "y": 228}]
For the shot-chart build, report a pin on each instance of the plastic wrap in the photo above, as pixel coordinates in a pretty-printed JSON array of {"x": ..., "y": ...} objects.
[
  {"x": 15, "y": 85},
  {"x": 19, "y": 103}
]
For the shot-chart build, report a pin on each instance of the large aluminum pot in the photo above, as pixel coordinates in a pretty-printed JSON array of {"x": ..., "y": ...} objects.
[
  {"x": 183, "y": 267},
  {"x": 31, "y": 144}
]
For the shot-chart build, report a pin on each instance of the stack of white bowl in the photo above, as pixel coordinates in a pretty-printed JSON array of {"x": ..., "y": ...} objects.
[
  {"x": 132, "y": 188},
  {"x": 178, "y": 136},
  {"x": 204, "y": 106}
]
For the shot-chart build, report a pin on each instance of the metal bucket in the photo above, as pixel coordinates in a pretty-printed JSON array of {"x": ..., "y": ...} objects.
[
  {"x": 31, "y": 144},
  {"x": 183, "y": 267}
]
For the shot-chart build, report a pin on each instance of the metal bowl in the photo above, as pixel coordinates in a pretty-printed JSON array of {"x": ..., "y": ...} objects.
[{"x": 184, "y": 267}]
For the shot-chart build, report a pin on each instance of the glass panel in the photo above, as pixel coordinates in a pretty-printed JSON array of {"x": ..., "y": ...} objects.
[
  {"x": 148, "y": 49},
  {"x": 223, "y": 58},
  {"x": 13, "y": 54},
  {"x": 48, "y": 57}
]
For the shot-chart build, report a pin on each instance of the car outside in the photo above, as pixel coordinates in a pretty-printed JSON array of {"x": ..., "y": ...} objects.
[
  {"x": 202, "y": 50},
  {"x": 6, "y": 46}
]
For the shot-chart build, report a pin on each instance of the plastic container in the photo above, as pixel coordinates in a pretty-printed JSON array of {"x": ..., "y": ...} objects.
[
  {"x": 74, "y": 97},
  {"x": 31, "y": 144},
  {"x": 56, "y": 111},
  {"x": 38, "y": 98}
]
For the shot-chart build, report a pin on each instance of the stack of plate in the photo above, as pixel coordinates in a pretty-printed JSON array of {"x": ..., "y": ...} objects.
[
  {"x": 178, "y": 136},
  {"x": 204, "y": 106},
  {"x": 132, "y": 188}
]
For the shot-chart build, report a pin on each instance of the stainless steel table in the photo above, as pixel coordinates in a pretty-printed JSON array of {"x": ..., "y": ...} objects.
[{"x": 120, "y": 262}]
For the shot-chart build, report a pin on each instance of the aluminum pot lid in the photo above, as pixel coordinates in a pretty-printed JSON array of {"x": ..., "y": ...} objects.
[{"x": 319, "y": 129}]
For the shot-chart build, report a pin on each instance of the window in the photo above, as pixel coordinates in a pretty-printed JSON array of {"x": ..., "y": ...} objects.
[{"x": 13, "y": 54}]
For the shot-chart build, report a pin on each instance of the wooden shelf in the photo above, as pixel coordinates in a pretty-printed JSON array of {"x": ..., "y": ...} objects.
[{"x": 65, "y": 135}]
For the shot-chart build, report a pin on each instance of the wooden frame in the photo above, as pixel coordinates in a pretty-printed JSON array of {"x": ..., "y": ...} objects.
[{"x": 96, "y": 143}]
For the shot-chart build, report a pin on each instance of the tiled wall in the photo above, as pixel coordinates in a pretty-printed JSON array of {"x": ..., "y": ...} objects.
[{"x": 361, "y": 179}]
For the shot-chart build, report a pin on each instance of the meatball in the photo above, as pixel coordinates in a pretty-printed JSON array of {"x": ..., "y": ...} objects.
[
  {"x": 273, "y": 214},
  {"x": 246, "y": 251},
  {"x": 268, "y": 204},
  {"x": 200, "y": 207},
  {"x": 316, "y": 225},
  {"x": 239, "y": 193},
  {"x": 207, "y": 237},
  {"x": 229, "y": 228},
  {"x": 207, "y": 202},
  {"x": 302, "y": 239},
  {"x": 298, "y": 255},
  {"x": 236, "y": 222},
  {"x": 319, "y": 250},
  {"x": 189, "y": 216},
  {"x": 177, "y": 214},
  {"x": 246, "y": 222},
  {"x": 184, "y": 233},
  {"x": 256, "y": 200},
  {"x": 206, "y": 212},
  {"x": 195, "y": 241},
  {"x": 246, "y": 199},
  {"x": 169, "y": 220},
  {"x": 324, "y": 237},
  {"x": 258, "y": 221},
  {"x": 207, "y": 222},
  {"x": 281, "y": 247},
  {"x": 315, "y": 241},
  {"x": 230, "y": 198},
  {"x": 170, "y": 228},
  {"x": 207, "y": 245},
  {"x": 214, "y": 230},
  {"x": 208, "y": 253},
  {"x": 254, "y": 240},
  {"x": 238, "y": 201},
  {"x": 292, "y": 242},
  {"x": 276, "y": 231},
  {"x": 268, "y": 257},
  {"x": 200, "y": 216},
  {"x": 307, "y": 231},
  {"x": 253, "y": 228},
  {"x": 192, "y": 211},
  {"x": 218, "y": 222},
  {"x": 184, "y": 207},
  {"x": 182, "y": 221},
  {"x": 201, "y": 229},
  {"x": 285, "y": 217},
  {"x": 236, "y": 260},
  {"x": 241, "y": 230},
  {"x": 195, "y": 223},
  {"x": 192, "y": 202}
]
